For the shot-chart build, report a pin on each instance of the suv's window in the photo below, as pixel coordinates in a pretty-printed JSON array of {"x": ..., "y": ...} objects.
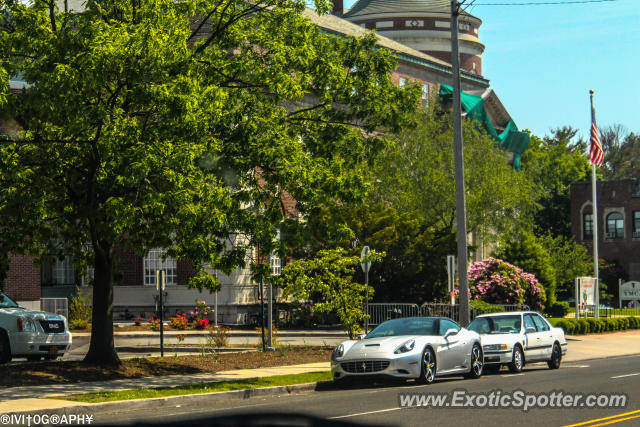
[
  {"x": 540, "y": 323},
  {"x": 6, "y": 302},
  {"x": 528, "y": 322},
  {"x": 446, "y": 324}
]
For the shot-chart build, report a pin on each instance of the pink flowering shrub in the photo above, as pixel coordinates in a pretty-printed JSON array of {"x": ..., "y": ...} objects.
[{"x": 497, "y": 282}]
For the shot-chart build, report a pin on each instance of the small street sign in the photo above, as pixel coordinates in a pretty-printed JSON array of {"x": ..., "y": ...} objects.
[{"x": 365, "y": 264}]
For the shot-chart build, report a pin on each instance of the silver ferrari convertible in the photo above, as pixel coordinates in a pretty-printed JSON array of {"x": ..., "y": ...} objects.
[{"x": 412, "y": 347}]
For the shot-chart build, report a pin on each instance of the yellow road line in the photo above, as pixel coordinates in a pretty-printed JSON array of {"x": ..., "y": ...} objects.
[
  {"x": 605, "y": 418},
  {"x": 614, "y": 421}
]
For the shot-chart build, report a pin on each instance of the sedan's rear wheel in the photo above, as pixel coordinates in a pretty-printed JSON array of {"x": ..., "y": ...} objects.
[
  {"x": 556, "y": 357},
  {"x": 5, "y": 348},
  {"x": 428, "y": 371},
  {"x": 477, "y": 362},
  {"x": 517, "y": 360}
]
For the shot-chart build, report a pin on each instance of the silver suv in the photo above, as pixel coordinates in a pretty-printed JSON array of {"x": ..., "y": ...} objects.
[{"x": 31, "y": 334}]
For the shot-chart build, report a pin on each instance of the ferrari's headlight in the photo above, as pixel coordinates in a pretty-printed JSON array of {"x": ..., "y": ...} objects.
[
  {"x": 338, "y": 352},
  {"x": 407, "y": 346},
  {"x": 495, "y": 347}
]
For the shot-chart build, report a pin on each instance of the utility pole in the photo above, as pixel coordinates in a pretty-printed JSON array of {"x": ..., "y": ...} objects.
[{"x": 461, "y": 209}]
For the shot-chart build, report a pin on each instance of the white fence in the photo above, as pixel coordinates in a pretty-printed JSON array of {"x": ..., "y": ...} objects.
[{"x": 55, "y": 305}]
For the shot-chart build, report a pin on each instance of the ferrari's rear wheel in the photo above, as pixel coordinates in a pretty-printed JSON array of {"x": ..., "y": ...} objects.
[
  {"x": 477, "y": 362},
  {"x": 428, "y": 371}
]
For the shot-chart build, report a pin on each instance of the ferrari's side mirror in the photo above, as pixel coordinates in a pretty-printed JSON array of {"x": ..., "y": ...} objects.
[{"x": 450, "y": 332}]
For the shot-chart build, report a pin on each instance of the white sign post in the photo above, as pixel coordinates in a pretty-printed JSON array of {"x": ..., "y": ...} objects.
[
  {"x": 630, "y": 291},
  {"x": 585, "y": 295},
  {"x": 366, "y": 265}
]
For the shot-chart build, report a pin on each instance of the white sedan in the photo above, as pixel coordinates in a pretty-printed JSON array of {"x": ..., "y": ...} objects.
[
  {"x": 516, "y": 338},
  {"x": 413, "y": 347},
  {"x": 31, "y": 334}
]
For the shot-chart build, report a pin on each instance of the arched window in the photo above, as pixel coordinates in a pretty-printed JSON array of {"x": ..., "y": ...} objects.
[{"x": 615, "y": 226}]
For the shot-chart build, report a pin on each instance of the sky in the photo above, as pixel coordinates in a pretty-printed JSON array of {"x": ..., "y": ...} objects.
[{"x": 543, "y": 60}]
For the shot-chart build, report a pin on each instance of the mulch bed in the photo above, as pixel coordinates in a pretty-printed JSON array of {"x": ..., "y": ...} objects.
[{"x": 58, "y": 372}]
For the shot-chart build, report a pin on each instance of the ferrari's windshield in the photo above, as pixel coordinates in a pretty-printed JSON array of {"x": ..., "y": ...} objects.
[
  {"x": 6, "y": 302},
  {"x": 496, "y": 324},
  {"x": 407, "y": 326}
]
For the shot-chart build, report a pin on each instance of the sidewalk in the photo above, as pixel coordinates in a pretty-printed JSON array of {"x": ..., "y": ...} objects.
[{"x": 16, "y": 399}]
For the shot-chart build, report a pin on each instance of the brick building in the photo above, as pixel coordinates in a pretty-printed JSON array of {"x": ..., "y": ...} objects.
[
  {"x": 618, "y": 221},
  {"x": 418, "y": 31}
]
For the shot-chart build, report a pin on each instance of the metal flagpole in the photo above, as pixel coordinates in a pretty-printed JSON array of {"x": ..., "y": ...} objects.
[{"x": 595, "y": 220}]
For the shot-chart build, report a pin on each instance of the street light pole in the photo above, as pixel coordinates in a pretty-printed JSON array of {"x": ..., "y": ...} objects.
[{"x": 461, "y": 209}]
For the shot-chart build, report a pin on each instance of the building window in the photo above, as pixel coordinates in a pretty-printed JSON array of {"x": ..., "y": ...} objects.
[
  {"x": 402, "y": 82},
  {"x": 56, "y": 271},
  {"x": 615, "y": 226},
  {"x": 636, "y": 224},
  {"x": 587, "y": 226},
  {"x": 274, "y": 260},
  {"x": 425, "y": 94},
  {"x": 154, "y": 261}
]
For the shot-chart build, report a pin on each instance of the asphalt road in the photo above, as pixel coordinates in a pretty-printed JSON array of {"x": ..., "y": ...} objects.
[{"x": 378, "y": 404}]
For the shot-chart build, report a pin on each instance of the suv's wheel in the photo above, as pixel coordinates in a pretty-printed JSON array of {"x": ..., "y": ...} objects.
[
  {"x": 556, "y": 357},
  {"x": 517, "y": 360},
  {"x": 428, "y": 371},
  {"x": 5, "y": 348},
  {"x": 477, "y": 362}
]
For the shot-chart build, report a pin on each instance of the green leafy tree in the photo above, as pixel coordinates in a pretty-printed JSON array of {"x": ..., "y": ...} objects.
[
  {"x": 569, "y": 259},
  {"x": 621, "y": 153},
  {"x": 179, "y": 125},
  {"x": 552, "y": 164},
  {"x": 327, "y": 279},
  {"x": 416, "y": 174}
]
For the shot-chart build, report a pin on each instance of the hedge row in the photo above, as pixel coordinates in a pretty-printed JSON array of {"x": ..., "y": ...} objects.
[{"x": 591, "y": 326}]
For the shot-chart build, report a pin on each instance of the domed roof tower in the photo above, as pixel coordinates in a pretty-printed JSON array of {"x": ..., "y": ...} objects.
[{"x": 423, "y": 25}]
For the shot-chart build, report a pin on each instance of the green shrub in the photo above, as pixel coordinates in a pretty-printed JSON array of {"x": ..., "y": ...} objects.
[
  {"x": 583, "y": 327},
  {"x": 558, "y": 309},
  {"x": 483, "y": 307},
  {"x": 79, "y": 311}
]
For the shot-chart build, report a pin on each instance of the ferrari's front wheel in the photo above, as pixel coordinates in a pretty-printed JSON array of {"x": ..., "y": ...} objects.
[
  {"x": 477, "y": 362},
  {"x": 428, "y": 371}
]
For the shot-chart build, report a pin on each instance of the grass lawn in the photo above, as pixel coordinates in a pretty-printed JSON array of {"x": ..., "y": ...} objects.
[{"x": 278, "y": 380}]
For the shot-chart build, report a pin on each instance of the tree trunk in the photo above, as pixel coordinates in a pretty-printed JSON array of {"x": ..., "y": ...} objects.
[{"x": 102, "y": 347}]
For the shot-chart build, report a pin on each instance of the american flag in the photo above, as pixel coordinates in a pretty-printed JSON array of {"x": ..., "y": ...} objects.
[{"x": 595, "y": 153}]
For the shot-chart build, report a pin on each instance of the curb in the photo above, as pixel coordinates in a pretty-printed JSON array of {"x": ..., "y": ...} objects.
[
  {"x": 87, "y": 335},
  {"x": 160, "y": 402}
]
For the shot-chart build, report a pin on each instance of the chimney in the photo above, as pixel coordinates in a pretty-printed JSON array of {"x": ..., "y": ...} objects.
[{"x": 338, "y": 8}]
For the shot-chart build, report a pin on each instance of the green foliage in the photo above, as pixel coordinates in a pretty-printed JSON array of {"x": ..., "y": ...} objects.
[
  {"x": 557, "y": 309},
  {"x": 552, "y": 164},
  {"x": 415, "y": 174},
  {"x": 569, "y": 260},
  {"x": 483, "y": 307},
  {"x": 621, "y": 153},
  {"x": 134, "y": 125},
  {"x": 79, "y": 311},
  {"x": 586, "y": 326},
  {"x": 327, "y": 279},
  {"x": 525, "y": 251}
]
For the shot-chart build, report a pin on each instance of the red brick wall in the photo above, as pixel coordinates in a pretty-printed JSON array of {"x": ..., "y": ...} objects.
[
  {"x": 185, "y": 271},
  {"x": 130, "y": 266},
  {"x": 23, "y": 279}
]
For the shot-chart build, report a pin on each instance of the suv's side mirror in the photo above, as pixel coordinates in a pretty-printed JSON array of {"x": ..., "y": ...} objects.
[
  {"x": 450, "y": 332},
  {"x": 530, "y": 330}
]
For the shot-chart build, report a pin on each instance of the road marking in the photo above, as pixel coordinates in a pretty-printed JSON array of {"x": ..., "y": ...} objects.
[
  {"x": 511, "y": 375},
  {"x": 628, "y": 375},
  {"x": 365, "y": 413},
  {"x": 577, "y": 366},
  {"x": 615, "y": 421},
  {"x": 606, "y": 418}
]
